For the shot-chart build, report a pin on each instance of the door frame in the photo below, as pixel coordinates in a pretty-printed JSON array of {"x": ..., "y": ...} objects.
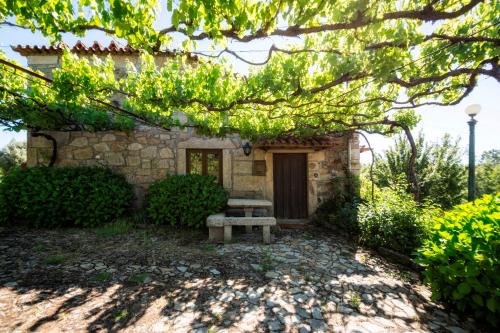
[{"x": 306, "y": 176}]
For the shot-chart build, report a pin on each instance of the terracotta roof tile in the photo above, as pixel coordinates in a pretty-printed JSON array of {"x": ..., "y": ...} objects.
[
  {"x": 81, "y": 48},
  {"x": 317, "y": 142}
]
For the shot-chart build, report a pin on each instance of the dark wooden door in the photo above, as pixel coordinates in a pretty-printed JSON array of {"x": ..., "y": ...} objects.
[{"x": 290, "y": 186}]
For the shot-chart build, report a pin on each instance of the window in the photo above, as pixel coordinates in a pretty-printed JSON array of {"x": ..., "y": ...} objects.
[{"x": 207, "y": 162}]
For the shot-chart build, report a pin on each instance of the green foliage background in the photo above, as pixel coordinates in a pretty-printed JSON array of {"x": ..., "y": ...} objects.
[
  {"x": 488, "y": 173},
  {"x": 440, "y": 172},
  {"x": 60, "y": 197},
  {"x": 12, "y": 155}
]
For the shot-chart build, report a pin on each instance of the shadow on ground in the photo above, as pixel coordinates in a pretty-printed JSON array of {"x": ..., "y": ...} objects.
[{"x": 169, "y": 280}]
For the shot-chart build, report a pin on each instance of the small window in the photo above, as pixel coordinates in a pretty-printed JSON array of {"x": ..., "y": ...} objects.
[{"x": 207, "y": 162}]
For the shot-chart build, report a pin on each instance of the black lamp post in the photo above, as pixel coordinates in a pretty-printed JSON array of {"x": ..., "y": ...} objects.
[{"x": 472, "y": 111}]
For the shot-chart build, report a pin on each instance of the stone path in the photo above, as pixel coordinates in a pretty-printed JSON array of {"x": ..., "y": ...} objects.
[{"x": 303, "y": 282}]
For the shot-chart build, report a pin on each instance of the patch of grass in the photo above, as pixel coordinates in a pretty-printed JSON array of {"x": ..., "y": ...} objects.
[
  {"x": 140, "y": 218},
  {"x": 266, "y": 261},
  {"x": 308, "y": 236},
  {"x": 209, "y": 248},
  {"x": 355, "y": 301},
  {"x": 103, "y": 277},
  {"x": 120, "y": 315},
  {"x": 217, "y": 317},
  {"x": 146, "y": 238},
  {"x": 63, "y": 315},
  {"x": 39, "y": 247},
  {"x": 139, "y": 278},
  {"x": 56, "y": 259},
  {"x": 117, "y": 228}
]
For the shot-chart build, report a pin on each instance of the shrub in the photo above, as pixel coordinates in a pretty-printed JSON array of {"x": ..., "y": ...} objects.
[
  {"x": 341, "y": 209},
  {"x": 185, "y": 200},
  {"x": 462, "y": 257},
  {"x": 394, "y": 221},
  {"x": 52, "y": 197}
]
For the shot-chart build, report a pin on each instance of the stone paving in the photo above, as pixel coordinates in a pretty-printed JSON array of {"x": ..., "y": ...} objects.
[{"x": 304, "y": 282}]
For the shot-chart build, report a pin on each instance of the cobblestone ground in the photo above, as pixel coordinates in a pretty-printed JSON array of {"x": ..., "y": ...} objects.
[{"x": 171, "y": 281}]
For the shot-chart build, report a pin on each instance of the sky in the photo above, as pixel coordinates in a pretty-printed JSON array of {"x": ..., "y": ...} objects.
[{"x": 436, "y": 121}]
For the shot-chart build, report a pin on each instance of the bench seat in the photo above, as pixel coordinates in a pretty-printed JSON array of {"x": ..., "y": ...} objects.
[{"x": 220, "y": 226}]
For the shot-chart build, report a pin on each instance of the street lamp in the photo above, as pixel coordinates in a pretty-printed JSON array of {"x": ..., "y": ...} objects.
[{"x": 472, "y": 111}]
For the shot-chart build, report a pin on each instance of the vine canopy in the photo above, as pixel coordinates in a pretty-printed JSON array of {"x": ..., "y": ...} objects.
[{"x": 329, "y": 65}]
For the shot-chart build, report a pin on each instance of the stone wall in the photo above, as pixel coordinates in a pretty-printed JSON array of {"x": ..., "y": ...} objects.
[
  {"x": 143, "y": 156},
  {"x": 148, "y": 154}
]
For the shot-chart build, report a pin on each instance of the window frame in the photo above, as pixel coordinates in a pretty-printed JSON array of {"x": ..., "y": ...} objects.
[{"x": 204, "y": 164}]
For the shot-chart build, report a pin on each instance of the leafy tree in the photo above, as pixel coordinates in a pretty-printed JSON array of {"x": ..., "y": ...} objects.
[
  {"x": 358, "y": 64},
  {"x": 488, "y": 173},
  {"x": 438, "y": 167},
  {"x": 14, "y": 154}
]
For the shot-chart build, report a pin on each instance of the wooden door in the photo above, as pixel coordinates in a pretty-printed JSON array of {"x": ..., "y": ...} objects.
[{"x": 290, "y": 186}]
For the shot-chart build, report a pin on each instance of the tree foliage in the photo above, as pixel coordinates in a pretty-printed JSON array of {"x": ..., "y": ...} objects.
[
  {"x": 440, "y": 173},
  {"x": 358, "y": 64},
  {"x": 488, "y": 173},
  {"x": 12, "y": 155}
]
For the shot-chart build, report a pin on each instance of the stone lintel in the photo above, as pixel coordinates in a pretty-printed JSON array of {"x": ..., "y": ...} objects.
[{"x": 211, "y": 143}]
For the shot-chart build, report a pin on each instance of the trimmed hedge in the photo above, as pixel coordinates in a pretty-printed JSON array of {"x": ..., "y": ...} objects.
[
  {"x": 185, "y": 200},
  {"x": 55, "y": 197},
  {"x": 462, "y": 258}
]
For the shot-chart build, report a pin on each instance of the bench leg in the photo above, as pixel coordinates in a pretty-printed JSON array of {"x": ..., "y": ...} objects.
[
  {"x": 266, "y": 234},
  {"x": 227, "y": 233},
  {"x": 248, "y": 212},
  {"x": 248, "y": 229},
  {"x": 216, "y": 234}
]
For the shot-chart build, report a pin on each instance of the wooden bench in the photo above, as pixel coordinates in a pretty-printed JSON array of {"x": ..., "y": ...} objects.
[{"x": 220, "y": 227}]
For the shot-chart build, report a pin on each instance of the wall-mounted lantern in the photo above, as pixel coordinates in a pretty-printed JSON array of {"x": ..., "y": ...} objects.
[{"x": 247, "y": 148}]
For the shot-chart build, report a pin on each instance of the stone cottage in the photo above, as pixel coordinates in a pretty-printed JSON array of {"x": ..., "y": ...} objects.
[{"x": 294, "y": 173}]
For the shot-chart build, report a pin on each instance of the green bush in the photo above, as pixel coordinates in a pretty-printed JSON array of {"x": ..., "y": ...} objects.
[
  {"x": 462, "y": 258},
  {"x": 341, "y": 209},
  {"x": 185, "y": 200},
  {"x": 53, "y": 197},
  {"x": 394, "y": 221},
  {"x": 341, "y": 215}
]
